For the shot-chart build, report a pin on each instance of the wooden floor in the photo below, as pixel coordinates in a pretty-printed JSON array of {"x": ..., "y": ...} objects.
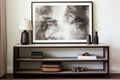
[{"x": 69, "y": 77}]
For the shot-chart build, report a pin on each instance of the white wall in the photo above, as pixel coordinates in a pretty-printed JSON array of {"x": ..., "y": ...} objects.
[{"x": 106, "y": 22}]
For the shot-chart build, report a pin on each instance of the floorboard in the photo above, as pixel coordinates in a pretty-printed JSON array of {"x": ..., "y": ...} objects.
[{"x": 69, "y": 77}]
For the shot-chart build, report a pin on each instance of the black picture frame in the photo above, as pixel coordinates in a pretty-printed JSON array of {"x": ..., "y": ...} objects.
[{"x": 62, "y": 21}]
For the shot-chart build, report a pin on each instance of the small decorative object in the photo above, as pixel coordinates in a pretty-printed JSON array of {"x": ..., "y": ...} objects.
[
  {"x": 86, "y": 54},
  {"x": 75, "y": 69},
  {"x": 78, "y": 69},
  {"x": 25, "y": 25},
  {"x": 95, "y": 38},
  {"x": 37, "y": 55},
  {"x": 88, "y": 39}
]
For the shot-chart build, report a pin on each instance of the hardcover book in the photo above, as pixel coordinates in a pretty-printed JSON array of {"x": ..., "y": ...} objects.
[{"x": 87, "y": 57}]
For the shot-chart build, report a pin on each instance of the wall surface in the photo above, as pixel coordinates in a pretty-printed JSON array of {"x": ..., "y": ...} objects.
[{"x": 106, "y": 22}]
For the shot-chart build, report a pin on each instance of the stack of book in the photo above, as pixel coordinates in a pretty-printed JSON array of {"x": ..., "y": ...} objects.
[{"x": 51, "y": 67}]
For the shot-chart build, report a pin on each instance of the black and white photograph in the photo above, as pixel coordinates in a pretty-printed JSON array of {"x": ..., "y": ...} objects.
[{"x": 61, "y": 22}]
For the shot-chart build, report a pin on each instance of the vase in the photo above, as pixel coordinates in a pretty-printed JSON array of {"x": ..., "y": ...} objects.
[
  {"x": 96, "y": 38},
  {"x": 24, "y": 38},
  {"x": 88, "y": 39}
]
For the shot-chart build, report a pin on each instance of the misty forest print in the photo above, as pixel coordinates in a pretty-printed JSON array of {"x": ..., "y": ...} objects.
[{"x": 61, "y": 22}]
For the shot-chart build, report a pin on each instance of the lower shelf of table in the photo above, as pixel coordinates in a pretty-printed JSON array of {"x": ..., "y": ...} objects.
[{"x": 62, "y": 72}]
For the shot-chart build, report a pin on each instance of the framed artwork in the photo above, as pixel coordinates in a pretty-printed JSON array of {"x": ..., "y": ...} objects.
[{"x": 61, "y": 22}]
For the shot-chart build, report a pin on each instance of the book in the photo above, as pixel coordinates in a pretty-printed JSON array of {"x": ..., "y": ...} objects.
[
  {"x": 44, "y": 69},
  {"x": 51, "y": 64},
  {"x": 87, "y": 57}
]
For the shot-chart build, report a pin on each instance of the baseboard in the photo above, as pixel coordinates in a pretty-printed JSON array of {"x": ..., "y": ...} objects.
[
  {"x": 9, "y": 69},
  {"x": 115, "y": 69},
  {"x": 112, "y": 70}
]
